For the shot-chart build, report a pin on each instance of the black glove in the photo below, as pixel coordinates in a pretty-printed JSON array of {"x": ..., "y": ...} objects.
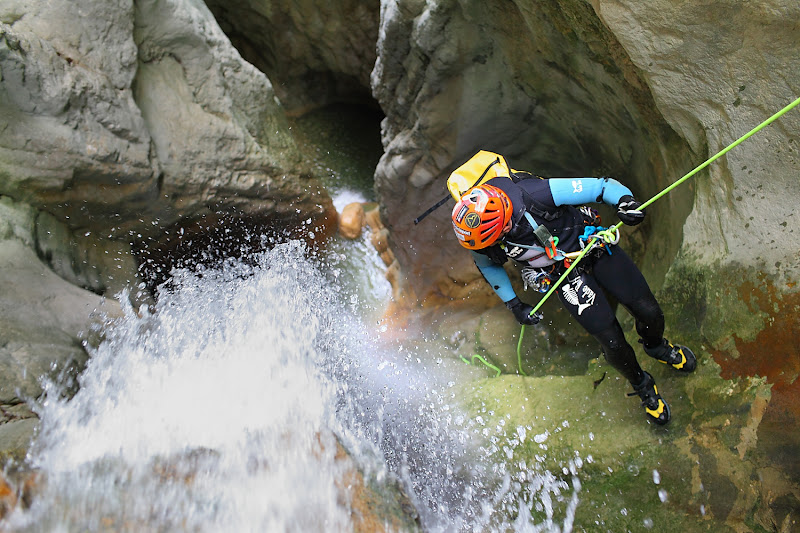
[
  {"x": 628, "y": 210},
  {"x": 522, "y": 312}
]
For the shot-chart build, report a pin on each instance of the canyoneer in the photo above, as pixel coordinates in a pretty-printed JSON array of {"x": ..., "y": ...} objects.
[{"x": 542, "y": 224}]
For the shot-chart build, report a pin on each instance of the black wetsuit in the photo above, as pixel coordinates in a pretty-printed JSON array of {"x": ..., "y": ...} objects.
[{"x": 603, "y": 270}]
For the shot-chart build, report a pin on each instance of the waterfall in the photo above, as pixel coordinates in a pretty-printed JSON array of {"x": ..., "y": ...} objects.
[{"x": 221, "y": 409}]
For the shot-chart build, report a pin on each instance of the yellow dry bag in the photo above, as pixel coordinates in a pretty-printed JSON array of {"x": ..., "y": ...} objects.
[{"x": 480, "y": 168}]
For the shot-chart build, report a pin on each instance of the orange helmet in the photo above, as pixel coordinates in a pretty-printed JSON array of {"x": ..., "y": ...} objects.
[{"x": 480, "y": 216}]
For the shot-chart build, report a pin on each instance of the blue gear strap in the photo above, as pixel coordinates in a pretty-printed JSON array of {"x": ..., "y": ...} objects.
[
  {"x": 496, "y": 276},
  {"x": 588, "y": 232}
]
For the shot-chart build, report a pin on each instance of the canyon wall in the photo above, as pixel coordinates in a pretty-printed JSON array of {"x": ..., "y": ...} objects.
[
  {"x": 124, "y": 123},
  {"x": 121, "y": 124}
]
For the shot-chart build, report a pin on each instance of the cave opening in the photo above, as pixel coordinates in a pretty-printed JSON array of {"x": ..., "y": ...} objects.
[
  {"x": 342, "y": 143},
  {"x": 318, "y": 54},
  {"x": 319, "y": 63}
]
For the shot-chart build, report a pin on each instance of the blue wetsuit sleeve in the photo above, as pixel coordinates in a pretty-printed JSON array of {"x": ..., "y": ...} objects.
[
  {"x": 578, "y": 191},
  {"x": 496, "y": 276}
]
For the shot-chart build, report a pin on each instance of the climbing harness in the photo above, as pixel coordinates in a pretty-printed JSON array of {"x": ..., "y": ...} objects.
[{"x": 540, "y": 279}]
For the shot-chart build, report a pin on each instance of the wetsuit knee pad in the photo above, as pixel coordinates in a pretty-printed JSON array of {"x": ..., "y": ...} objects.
[
  {"x": 619, "y": 353},
  {"x": 649, "y": 319},
  {"x": 612, "y": 338}
]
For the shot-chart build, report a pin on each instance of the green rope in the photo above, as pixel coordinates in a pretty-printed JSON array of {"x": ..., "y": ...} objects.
[
  {"x": 519, "y": 351},
  {"x": 697, "y": 169},
  {"x": 482, "y": 360},
  {"x": 722, "y": 152}
]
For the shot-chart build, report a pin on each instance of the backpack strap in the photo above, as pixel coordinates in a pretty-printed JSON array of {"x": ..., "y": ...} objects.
[
  {"x": 534, "y": 205},
  {"x": 545, "y": 238}
]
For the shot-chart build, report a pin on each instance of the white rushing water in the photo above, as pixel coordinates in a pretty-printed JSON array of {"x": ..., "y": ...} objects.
[{"x": 220, "y": 410}]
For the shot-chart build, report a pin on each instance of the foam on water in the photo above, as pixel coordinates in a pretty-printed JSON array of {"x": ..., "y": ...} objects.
[{"x": 221, "y": 409}]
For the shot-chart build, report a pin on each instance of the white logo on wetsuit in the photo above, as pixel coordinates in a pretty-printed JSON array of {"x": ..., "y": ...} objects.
[
  {"x": 515, "y": 252},
  {"x": 577, "y": 186},
  {"x": 572, "y": 295}
]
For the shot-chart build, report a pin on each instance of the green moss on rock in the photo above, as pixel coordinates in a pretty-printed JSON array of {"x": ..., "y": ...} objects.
[
  {"x": 630, "y": 475},
  {"x": 704, "y": 302}
]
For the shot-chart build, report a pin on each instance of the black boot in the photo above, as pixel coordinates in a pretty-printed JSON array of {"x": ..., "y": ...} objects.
[
  {"x": 676, "y": 356},
  {"x": 654, "y": 405}
]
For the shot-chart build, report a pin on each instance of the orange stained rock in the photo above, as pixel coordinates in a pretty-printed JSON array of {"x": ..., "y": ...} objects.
[
  {"x": 8, "y": 498},
  {"x": 352, "y": 220}
]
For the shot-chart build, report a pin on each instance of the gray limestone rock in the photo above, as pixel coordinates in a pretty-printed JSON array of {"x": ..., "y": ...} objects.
[
  {"x": 44, "y": 323},
  {"x": 218, "y": 131},
  {"x": 15, "y": 437},
  {"x": 124, "y": 120},
  {"x": 716, "y": 71},
  {"x": 70, "y": 129}
]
